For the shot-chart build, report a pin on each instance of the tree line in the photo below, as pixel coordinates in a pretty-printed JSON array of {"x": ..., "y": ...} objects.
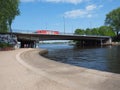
[
  {"x": 101, "y": 31},
  {"x": 111, "y": 28},
  {"x": 8, "y": 11}
]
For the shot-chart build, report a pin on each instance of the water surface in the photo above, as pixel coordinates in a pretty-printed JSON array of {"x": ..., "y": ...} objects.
[{"x": 105, "y": 58}]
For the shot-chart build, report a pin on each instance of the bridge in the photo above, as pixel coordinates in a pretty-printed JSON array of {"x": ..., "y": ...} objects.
[{"x": 30, "y": 39}]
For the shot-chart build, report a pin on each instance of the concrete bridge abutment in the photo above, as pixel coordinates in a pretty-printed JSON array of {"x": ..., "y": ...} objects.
[{"x": 108, "y": 41}]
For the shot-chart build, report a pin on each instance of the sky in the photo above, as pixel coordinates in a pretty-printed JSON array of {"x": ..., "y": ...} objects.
[{"x": 59, "y": 14}]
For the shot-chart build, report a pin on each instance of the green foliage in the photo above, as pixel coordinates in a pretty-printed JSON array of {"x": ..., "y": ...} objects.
[
  {"x": 95, "y": 31},
  {"x": 103, "y": 31},
  {"x": 113, "y": 20},
  {"x": 8, "y": 11},
  {"x": 3, "y": 27},
  {"x": 106, "y": 31},
  {"x": 4, "y": 45},
  {"x": 88, "y": 31},
  {"x": 79, "y": 31}
]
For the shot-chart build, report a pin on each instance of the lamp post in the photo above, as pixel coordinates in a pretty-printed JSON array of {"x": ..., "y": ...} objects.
[{"x": 64, "y": 23}]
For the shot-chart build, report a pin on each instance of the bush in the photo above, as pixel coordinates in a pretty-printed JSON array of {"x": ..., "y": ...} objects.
[{"x": 4, "y": 45}]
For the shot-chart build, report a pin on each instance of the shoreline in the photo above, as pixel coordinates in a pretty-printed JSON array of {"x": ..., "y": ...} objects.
[
  {"x": 30, "y": 71},
  {"x": 44, "y": 51}
]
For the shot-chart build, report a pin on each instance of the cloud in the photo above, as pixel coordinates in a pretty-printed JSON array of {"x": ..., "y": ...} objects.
[
  {"x": 27, "y": 0},
  {"x": 75, "y": 13},
  {"x": 57, "y": 1},
  {"x": 66, "y": 1},
  {"x": 91, "y": 7},
  {"x": 88, "y": 12}
]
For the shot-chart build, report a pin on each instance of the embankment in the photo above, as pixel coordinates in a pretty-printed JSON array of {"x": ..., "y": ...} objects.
[{"x": 70, "y": 77}]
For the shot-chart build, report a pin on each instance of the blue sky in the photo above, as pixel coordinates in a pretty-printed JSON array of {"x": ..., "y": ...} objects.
[{"x": 51, "y": 14}]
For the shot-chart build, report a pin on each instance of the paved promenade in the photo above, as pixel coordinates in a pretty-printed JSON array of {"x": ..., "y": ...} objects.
[{"x": 25, "y": 69}]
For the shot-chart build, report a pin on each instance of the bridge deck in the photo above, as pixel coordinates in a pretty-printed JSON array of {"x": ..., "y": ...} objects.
[{"x": 34, "y": 36}]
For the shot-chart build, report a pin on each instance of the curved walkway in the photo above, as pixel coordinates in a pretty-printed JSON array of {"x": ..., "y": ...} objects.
[{"x": 25, "y": 69}]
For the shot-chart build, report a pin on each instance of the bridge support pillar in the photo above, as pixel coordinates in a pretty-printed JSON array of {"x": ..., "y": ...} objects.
[
  {"x": 110, "y": 41},
  {"x": 101, "y": 42}
]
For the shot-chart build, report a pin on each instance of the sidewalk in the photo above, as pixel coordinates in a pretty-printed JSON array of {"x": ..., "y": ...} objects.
[{"x": 24, "y": 69}]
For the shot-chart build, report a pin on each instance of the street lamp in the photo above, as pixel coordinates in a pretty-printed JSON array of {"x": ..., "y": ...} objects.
[{"x": 64, "y": 23}]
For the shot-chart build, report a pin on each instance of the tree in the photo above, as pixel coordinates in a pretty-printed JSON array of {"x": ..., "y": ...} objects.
[
  {"x": 88, "y": 31},
  {"x": 13, "y": 4},
  {"x": 3, "y": 23},
  {"x": 8, "y": 11},
  {"x": 80, "y": 31},
  {"x": 111, "y": 32},
  {"x": 103, "y": 30},
  {"x": 106, "y": 31},
  {"x": 95, "y": 31},
  {"x": 113, "y": 20}
]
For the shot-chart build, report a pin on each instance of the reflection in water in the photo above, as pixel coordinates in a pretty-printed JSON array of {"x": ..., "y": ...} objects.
[
  {"x": 105, "y": 59},
  {"x": 113, "y": 59}
]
